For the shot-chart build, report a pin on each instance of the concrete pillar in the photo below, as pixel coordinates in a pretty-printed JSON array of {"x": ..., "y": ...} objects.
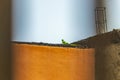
[{"x": 100, "y": 17}]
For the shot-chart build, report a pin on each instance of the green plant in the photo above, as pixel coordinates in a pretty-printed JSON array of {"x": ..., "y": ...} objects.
[{"x": 66, "y": 43}]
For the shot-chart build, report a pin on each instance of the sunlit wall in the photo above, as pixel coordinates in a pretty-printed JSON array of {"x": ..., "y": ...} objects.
[{"x": 53, "y": 20}]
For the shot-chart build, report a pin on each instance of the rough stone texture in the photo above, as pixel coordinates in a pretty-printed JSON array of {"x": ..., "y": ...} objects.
[{"x": 107, "y": 46}]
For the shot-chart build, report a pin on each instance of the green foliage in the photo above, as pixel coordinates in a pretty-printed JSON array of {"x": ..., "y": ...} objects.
[{"x": 66, "y": 43}]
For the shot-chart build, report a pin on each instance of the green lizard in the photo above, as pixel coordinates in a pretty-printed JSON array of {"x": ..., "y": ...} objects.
[{"x": 66, "y": 43}]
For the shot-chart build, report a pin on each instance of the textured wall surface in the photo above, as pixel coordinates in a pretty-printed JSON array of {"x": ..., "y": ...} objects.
[
  {"x": 32, "y": 62},
  {"x": 107, "y": 58}
]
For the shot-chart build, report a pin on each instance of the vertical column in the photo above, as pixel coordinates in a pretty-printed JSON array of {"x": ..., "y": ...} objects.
[
  {"x": 5, "y": 26},
  {"x": 101, "y": 22},
  {"x": 100, "y": 64}
]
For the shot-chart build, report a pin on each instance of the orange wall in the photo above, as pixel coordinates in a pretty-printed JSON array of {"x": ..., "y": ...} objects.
[{"x": 33, "y": 62}]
